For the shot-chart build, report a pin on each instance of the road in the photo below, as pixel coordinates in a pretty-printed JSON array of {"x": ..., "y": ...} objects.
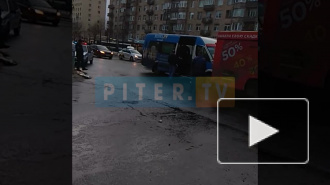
[
  {"x": 35, "y": 100},
  {"x": 129, "y": 145},
  {"x": 157, "y": 145}
]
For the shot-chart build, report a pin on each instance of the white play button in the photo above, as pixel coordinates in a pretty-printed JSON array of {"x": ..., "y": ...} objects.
[{"x": 259, "y": 131}]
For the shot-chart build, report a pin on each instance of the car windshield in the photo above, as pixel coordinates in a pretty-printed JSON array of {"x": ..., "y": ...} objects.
[
  {"x": 103, "y": 48},
  {"x": 85, "y": 48},
  {"x": 40, "y": 3},
  {"x": 134, "y": 51},
  {"x": 211, "y": 50},
  {"x": 3, "y": 5}
]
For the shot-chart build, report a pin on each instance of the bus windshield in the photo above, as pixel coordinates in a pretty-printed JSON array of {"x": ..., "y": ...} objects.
[{"x": 211, "y": 50}]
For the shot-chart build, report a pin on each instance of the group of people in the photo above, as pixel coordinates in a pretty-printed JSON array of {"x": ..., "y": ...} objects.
[
  {"x": 78, "y": 52},
  {"x": 199, "y": 66},
  {"x": 4, "y": 57}
]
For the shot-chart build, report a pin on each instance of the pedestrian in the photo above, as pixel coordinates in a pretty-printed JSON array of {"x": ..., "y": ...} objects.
[
  {"x": 79, "y": 55},
  {"x": 73, "y": 56},
  {"x": 4, "y": 57},
  {"x": 199, "y": 65},
  {"x": 2, "y": 35},
  {"x": 172, "y": 61}
]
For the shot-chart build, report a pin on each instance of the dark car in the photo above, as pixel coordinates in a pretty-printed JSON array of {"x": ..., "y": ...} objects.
[
  {"x": 11, "y": 18},
  {"x": 39, "y": 10},
  {"x": 101, "y": 51}
]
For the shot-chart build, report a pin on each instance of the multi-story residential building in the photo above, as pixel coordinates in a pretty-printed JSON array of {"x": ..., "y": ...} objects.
[
  {"x": 88, "y": 13},
  {"x": 133, "y": 19}
]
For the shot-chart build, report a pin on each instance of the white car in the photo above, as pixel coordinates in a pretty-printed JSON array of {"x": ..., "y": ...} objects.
[{"x": 131, "y": 54}]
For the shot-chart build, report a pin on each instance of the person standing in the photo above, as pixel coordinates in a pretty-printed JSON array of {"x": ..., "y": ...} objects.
[
  {"x": 73, "y": 56},
  {"x": 79, "y": 55},
  {"x": 172, "y": 60},
  {"x": 2, "y": 37},
  {"x": 199, "y": 65}
]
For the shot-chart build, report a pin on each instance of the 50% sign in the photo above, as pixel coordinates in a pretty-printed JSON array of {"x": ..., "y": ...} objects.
[
  {"x": 231, "y": 52},
  {"x": 298, "y": 12}
]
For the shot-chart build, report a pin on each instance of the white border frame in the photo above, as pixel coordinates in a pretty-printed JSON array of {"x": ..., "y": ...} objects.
[{"x": 299, "y": 99}]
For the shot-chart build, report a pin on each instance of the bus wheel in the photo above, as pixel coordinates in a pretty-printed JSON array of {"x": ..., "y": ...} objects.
[{"x": 251, "y": 88}]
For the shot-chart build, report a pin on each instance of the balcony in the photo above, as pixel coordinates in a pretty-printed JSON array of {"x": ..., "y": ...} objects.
[
  {"x": 250, "y": 19},
  {"x": 210, "y": 7},
  {"x": 252, "y": 4},
  {"x": 110, "y": 14},
  {"x": 151, "y": 2},
  {"x": 174, "y": 9},
  {"x": 173, "y": 21},
  {"x": 150, "y": 12},
  {"x": 146, "y": 31},
  {"x": 239, "y": 5},
  {"x": 149, "y": 22},
  {"x": 205, "y": 33},
  {"x": 207, "y": 20},
  {"x": 111, "y": 6}
]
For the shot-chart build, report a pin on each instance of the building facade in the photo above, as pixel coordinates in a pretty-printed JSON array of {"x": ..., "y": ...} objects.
[
  {"x": 88, "y": 14},
  {"x": 133, "y": 19}
]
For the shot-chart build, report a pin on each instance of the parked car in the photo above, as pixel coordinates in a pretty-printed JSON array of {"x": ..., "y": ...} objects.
[
  {"x": 88, "y": 54},
  {"x": 39, "y": 10},
  {"x": 11, "y": 18},
  {"x": 131, "y": 54},
  {"x": 101, "y": 51}
]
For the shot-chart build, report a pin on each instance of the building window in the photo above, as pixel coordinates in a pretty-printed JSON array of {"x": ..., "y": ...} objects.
[
  {"x": 192, "y": 4},
  {"x": 191, "y": 15},
  {"x": 227, "y": 27},
  {"x": 239, "y": 12},
  {"x": 218, "y": 14},
  {"x": 216, "y": 27},
  {"x": 155, "y": 27},
  {"x": 199, "y": 15},
  {"x": 181, "y": 15},
  {"x": 138, "y": 27},
  {"x": 198, "y": 27},
  {"x": 253, "y": 12},
  {"x": 208, "y": 2},
  {"x": 189, "y": 27},
  {"x": 144, "y": 17},
  {"x": 220, "y": 2},
  {"x": 228, "y": 13},
  {"x": 236, "y": 26}
]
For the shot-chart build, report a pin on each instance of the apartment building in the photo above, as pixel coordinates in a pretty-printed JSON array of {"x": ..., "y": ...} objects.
[
  {"x": 89, "y": 13},
  {"x": 133, "y": 19}
]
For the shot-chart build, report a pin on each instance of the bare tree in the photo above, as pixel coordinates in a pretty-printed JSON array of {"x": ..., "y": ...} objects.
[
  {"x": 76, "y": 30},
  {"x": 96, "y": 29}
]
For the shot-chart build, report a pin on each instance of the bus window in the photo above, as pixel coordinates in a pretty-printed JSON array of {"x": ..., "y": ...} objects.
[
  {"x": 211, "y": 50},
  {"x": 167, "y": 47},
  {"x": 152, "y": 50},
  {"x": 202, "y": 49}
]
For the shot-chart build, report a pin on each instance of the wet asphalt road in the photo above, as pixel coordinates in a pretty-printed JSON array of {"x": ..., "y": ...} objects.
[
  {"x": 35, "y": 111},
  {"x": 129, "y": 145}
]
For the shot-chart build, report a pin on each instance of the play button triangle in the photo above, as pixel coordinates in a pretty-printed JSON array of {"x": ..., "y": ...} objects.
[{"x": 258, "y": 131}]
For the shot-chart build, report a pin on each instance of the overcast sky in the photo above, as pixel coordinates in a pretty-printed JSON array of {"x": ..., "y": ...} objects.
[{"x": 106, "y": 13}]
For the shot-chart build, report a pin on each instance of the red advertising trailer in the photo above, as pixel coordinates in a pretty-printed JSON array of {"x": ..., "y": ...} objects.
[{"x": 236, "y": 55}]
